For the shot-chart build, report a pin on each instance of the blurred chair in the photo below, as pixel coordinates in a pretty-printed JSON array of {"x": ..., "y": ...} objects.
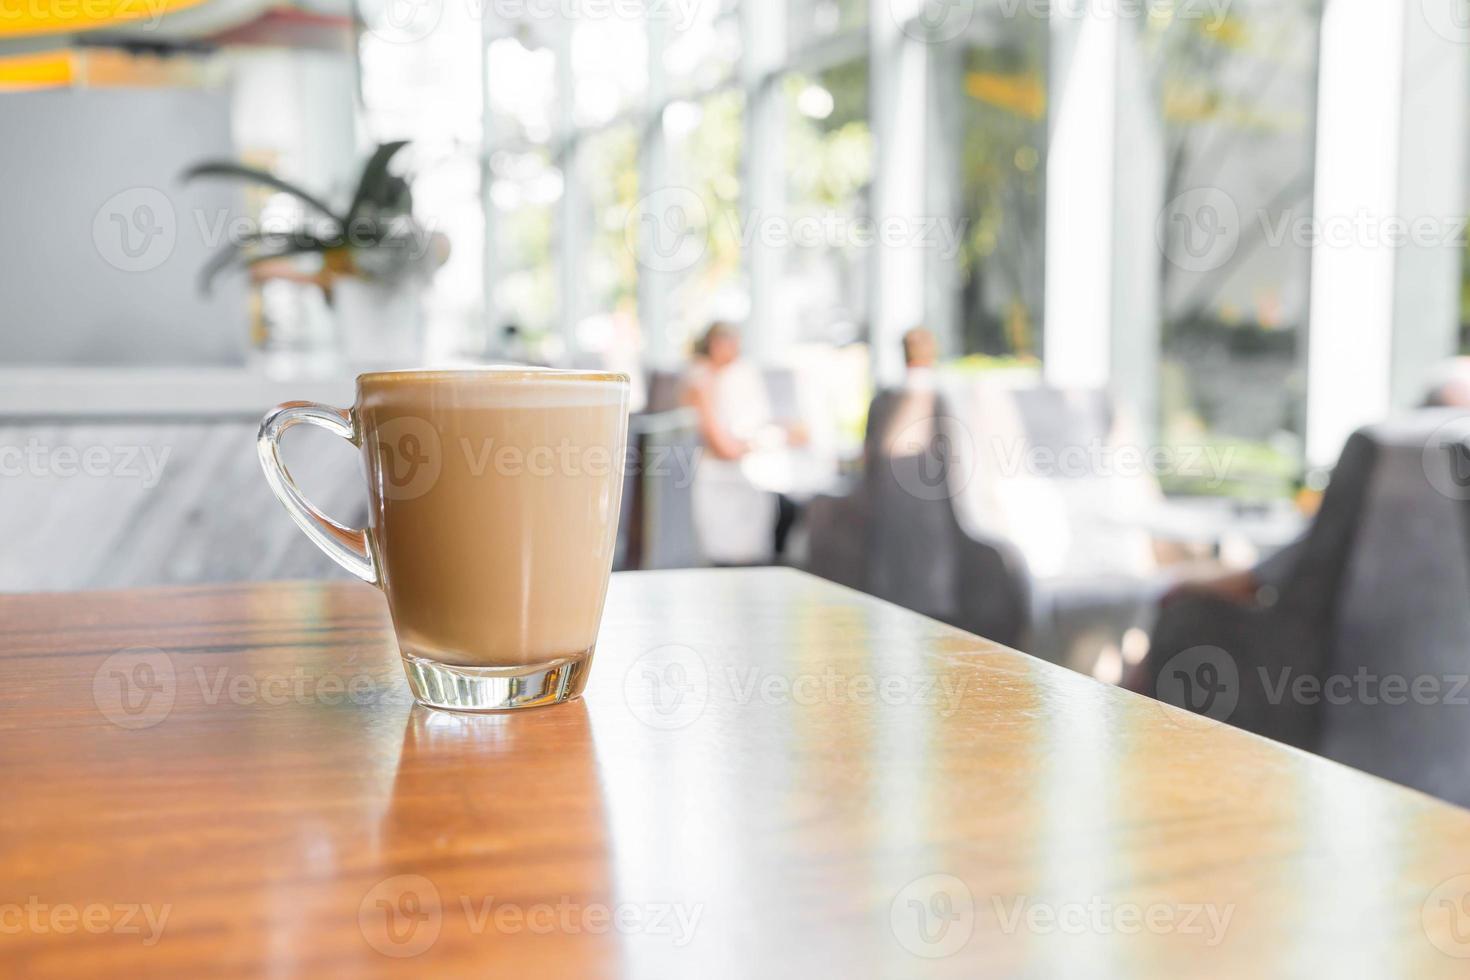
[
  {"x": 657, "y": 529},
  {"x": 782, "y": 392},
  {"x": 1027, "y": 559},
  {"x": 664, "y": 389},
  {"x": 1379, "y": 587},
  {"x": 1041, "y": 469},
  {"x": 896, "y": 536}
]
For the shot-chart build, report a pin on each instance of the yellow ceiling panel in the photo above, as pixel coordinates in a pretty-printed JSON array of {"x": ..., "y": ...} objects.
[{"x": 23, "y": 18}]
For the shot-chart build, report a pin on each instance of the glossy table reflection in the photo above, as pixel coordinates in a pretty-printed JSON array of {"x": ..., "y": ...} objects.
[{"x": 769, "y": 776}]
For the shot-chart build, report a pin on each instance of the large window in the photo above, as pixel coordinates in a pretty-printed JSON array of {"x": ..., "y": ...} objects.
[
  {"x": 1237, "y": 98},
  {"x": 524, "y": 189},
  {"x": 602, "y": 125},
  {"x": 995, "y": 173},
  {"x": 607, "y": 174},
  {"x": 704, "y": 141},
  {"x": 762, "y": 134},
  {"x": 823, "y": 294}
]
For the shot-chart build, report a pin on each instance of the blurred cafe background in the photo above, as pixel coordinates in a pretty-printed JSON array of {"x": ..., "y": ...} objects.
[{"x": 1121, "y": 331}]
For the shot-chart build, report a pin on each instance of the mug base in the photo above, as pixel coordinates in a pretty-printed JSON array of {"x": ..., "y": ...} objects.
[{"x": 456, "y": 688}]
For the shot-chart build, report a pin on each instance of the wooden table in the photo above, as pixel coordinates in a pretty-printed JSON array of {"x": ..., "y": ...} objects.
[{"x": 769, "y": 776}]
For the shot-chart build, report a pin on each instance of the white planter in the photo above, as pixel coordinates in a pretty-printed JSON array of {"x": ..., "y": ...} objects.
[{"x": 380, "y": 325}]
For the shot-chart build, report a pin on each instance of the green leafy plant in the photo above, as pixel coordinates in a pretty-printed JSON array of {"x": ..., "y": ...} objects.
[{"x": 375, "y": 237}]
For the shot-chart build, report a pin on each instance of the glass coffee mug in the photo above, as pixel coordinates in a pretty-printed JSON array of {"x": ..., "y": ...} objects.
[{"x": 493, "y": 498}]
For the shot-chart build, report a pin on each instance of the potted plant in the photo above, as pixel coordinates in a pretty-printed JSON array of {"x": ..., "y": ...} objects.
[{"x": 374, "y": 257}]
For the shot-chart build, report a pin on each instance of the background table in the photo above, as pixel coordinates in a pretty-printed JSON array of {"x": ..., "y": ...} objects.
[{"x": 769, "y": 776}]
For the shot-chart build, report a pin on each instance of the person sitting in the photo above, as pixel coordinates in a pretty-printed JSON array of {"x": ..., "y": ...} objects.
[
  {"x": 920, "y": 358},
  {"x": 1449, "y": 388},
  {"x": 738, "y": 523}
]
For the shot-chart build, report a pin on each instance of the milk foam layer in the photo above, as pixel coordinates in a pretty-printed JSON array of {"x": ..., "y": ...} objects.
[{"x": 491, "y": 388}]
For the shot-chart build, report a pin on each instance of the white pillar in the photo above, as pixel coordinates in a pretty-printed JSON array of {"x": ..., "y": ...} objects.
[
  {"x": 763, "y": 169},
  {"x": 1138, "y": 188},
  {"x": 1436, "y": 100},
  {"x": 1082, "y": 85},
  {"x": 1104, "y": 187},
  {"x": 944, "y": 140},
  {"x": 897, "y": 86},
  {"x": 1357, "y": 183},
  {"x": 654, "y": 282}
]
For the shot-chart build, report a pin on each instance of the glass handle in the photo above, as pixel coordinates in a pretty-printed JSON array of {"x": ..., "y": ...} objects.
[{"x": 347, "y": 546}]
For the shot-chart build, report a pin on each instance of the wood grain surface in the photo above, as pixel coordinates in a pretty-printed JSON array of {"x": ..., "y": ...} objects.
[{"x": 769, "y": 776}]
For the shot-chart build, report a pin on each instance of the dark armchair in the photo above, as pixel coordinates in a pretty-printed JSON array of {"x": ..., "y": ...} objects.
[
  {"x": 1375, "y": 598},
  {"x": 897, "y": 536}
]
